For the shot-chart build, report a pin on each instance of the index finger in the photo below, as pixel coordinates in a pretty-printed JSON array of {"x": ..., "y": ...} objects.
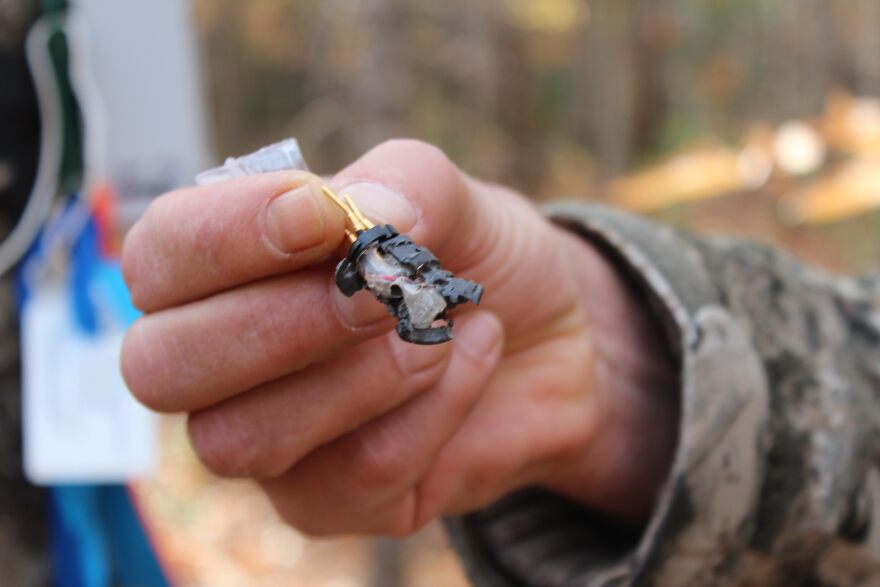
[{"x": 197, "y": 241}]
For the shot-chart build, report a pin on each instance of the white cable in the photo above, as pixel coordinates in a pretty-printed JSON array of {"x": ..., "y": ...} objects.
[
  {"x": 49, "y": 165},
  {"x": 91, "y": 103},
  {"x": 94, "y": 122}
]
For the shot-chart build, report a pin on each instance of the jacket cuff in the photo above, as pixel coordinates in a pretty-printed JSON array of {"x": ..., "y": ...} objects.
[{"x": 705, "y": 507}]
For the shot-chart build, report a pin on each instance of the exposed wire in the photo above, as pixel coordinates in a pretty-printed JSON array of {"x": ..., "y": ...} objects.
[
  {"x": 61, "y": 239},
  {"x": 91, "y": 104}
]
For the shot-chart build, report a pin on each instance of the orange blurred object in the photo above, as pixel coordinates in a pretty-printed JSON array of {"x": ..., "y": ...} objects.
[
  {"x": 852, "y": 190},
  {"x": 694, "y": 175},
  {"x": 103, "y": 200},
  {"x": 852, "y": 125}
]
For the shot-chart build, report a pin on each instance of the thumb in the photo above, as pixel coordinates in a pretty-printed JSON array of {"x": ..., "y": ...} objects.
[
  {"x": 481, "y": 232},
  {"x": 417, "y": 189}
]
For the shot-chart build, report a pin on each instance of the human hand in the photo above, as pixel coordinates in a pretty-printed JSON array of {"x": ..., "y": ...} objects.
[{"x": 557, "y": 380}]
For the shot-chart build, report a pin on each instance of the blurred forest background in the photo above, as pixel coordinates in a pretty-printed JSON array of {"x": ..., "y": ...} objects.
[
  {"x": 561, "y": 98},
  {"x": 755, "y": 117}
]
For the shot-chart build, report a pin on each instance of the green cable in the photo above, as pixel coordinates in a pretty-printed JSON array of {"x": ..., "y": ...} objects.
[
  {"x": 72, "y": 163},
  {"x": 72, "y": 137},
  {"x": 50, "y": 6}
]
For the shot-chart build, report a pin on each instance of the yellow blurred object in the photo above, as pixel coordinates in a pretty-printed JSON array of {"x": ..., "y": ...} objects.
[
  {"x": 852, "y": 190},
  {"x": 548, "y": 16},
  {"x": 703, "y": 173}
]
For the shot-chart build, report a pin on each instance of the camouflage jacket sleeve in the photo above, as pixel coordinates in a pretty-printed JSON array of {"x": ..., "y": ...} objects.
[{"x": 775, "y": 479}]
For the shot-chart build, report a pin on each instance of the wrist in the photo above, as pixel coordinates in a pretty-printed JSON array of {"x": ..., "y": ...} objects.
[{"x": 620, "y": 465}]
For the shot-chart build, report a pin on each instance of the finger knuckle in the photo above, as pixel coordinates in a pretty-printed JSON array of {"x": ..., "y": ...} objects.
[
  {"x": 421, "y": 150},
  {"x": 305, "y": 519},
  {"x": 449, "y": 198},
  {"x": 425, "y": 154},
  {"x": 138, "y": 370},
  {"x": 129, "y": 256},
  {"x": 128, "y": 359},
  {"x": 220, "y": 446},
  {"x": 141, "y": 262},
  {"x": 134, "y": 259}
]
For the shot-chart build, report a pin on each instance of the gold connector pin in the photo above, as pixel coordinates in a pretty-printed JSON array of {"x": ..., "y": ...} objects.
[{"x": 357, "y": 222}]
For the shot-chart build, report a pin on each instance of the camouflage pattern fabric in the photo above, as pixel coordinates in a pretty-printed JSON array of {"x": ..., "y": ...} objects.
[{"x": 775, "y": 480}]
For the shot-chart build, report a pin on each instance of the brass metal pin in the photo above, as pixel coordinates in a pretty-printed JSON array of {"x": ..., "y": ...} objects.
[
  {"x": 336, "y": 199},
  {"x": 357, "y": 222},
  {"x": 365, "y": 224}
]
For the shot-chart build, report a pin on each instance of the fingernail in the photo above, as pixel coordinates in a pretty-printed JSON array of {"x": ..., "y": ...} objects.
[
  {"x": 483, "y": 335},
  {"x": 382, "y": 204},
  {"x": 295, "y": 220}
]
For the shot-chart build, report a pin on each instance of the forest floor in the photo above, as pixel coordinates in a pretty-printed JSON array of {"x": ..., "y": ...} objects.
[{"x": 224, "y": 533}]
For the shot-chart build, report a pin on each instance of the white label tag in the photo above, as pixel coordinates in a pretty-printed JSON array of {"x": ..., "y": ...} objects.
[{"x": 80, "y": 423}]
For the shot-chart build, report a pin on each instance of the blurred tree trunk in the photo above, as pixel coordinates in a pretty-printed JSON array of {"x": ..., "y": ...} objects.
[
  {"x": 470, "y": 64},
  {"x": 652, "y": 35},
  {"x": 24, "y": 555},
  {"x": 380, "y": 92},
  {"x": 607, "y": 87},
  {"x": 799, "y": 59},
  {"x": 867, "y": 47},
  {"x": 525, "y": 165},
  {"x": 229, "y": 80}
]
